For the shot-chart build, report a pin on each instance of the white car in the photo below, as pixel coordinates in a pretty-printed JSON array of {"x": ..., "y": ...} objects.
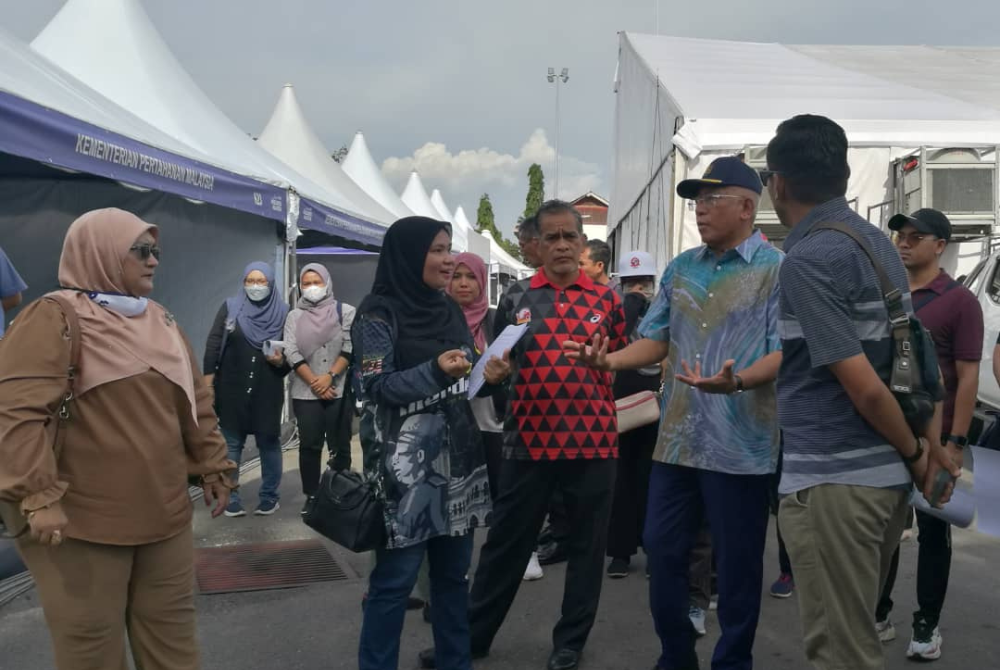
[{"x": 984, "y": 282}]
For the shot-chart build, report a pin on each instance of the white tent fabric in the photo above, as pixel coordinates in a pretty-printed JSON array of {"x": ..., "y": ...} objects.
[
  {"x": 459, "y": 230},
  {"x": 290, "y": 138},
  {"x": 28, "y": 75},
  {"x": 415, "y": 197},
  {"x": 361, "y": 167},
  {"x": 679, "y": 93},
  {"x": 132, "y": 65}
]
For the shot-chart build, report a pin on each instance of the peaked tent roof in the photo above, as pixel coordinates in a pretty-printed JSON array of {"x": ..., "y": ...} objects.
[
  {"x": 459, "y": 231},
  {"x": 56, "y": 119},
  {"x": 132, "y": 65},
  {"x": 887, "y": 96},
  {"x": 438, "y": 201},
  {"x": 415, "y": 197},
  {"x": 361, "y": 167},
  {"x": 290, "y": 138}
]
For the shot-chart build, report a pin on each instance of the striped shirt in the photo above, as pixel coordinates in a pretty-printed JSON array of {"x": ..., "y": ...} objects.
[
  {"x": 832, "y": 310},
  {"x": 712, "y": 309}
]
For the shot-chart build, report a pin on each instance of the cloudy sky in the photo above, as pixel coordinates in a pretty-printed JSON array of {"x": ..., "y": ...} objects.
[{"x": 457, "y": 89}]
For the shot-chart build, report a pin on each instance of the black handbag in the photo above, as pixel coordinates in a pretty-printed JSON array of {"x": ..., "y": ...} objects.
[{"x": 347, "y": 509}]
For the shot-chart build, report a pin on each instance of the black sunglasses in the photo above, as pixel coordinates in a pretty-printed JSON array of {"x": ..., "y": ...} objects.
[
  {"x": 144, "y": 251},
  {"x": 765, "y": 175}
]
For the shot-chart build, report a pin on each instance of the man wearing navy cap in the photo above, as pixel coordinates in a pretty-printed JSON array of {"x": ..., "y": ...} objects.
[
  {"x": 716, "y": 310},
  {"x": 955, "y": 319}
]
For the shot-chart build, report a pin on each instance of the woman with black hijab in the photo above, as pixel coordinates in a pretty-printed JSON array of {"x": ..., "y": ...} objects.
[
  {"x": 420, "y": 439},
  {"x": 249, "y": 383}
]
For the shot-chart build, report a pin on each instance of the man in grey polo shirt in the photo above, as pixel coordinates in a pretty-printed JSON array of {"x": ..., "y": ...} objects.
[{"x": 849, "y": 467}]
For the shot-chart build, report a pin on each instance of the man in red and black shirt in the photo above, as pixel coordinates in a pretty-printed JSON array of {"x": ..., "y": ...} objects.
[{"x": 561, "y": 433}]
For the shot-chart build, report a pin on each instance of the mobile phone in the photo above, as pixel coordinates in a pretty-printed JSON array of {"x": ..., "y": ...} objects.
[{"x": 941, "y": 482}]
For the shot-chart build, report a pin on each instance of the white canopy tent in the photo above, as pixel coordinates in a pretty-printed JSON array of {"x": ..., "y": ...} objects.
[
  {"x": 361, "y": 167},
  {"x": 66, "y": 149},
  {"x": 460, "y": 230},
  {"x": 683, "y": 102},
  {"x": 132, "y": 65},
  {"x": 415, "y": 197}
]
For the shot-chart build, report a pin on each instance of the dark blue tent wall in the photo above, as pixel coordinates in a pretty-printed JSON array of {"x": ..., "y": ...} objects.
[
  {"x": 351, "y": 275},
  {"x": 205, "y": 247}
]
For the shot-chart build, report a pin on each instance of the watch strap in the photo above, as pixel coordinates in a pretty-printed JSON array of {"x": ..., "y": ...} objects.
[
  {"x": 739, "y": 384},
  {"x": 960, "y": 441},
  {"x": 910, "y": 460}
]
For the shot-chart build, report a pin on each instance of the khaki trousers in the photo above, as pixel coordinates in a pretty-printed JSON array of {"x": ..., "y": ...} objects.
[
  {"x": 841, "y": 540},
  {"x": 93, "y": 594}
]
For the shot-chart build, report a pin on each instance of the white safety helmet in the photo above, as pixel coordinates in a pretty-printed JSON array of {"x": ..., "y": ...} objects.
[{"x": 636, "y": 264}]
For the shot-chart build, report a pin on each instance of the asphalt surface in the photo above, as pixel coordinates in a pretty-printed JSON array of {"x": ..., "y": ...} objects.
[{"x": 318, "y": 626}]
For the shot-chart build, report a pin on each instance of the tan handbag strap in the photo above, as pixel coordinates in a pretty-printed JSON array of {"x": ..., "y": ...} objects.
[{"x": 73, "y": 328}]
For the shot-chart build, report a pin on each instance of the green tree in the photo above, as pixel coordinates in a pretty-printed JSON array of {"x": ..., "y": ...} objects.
[
  {"x": 486, "y": 223},
  {"x": 536, "y": 191}
]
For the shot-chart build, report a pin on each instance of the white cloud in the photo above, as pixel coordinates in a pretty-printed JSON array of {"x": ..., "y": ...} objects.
[{"x": 463, "y": 176}]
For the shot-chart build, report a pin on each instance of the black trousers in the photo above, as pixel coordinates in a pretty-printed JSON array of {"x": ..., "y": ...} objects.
[
  {"x": 933, "y": 570},
  {"x": 518, "y": 512},
  {"x": 628, "y": 512},
  {"x": 493, "y": 446},
  {"x": 322, "y": 422}
]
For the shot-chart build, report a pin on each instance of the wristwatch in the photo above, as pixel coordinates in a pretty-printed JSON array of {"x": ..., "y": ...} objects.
[
  {"x": 739, "y": 384},
  {"x": 961, "y": 441},
  {"x": 910, "y": 460}
]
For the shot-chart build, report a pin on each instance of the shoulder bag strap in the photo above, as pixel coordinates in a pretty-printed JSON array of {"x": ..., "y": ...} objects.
[
  {"x": 899, "y": 320},
  {"x": 73, "y": 328}
]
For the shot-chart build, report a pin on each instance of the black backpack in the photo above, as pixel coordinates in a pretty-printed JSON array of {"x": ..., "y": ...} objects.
[{"x": 916, "y": 378}]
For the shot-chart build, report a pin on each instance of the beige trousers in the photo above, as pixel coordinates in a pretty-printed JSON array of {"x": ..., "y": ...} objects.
[
  {"x": 841, "y": 540},
  {"x": 93, "y": 594}
]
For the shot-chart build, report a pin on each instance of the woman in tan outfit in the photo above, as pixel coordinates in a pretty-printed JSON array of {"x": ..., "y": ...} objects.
[{"x": 110, "y": 543}]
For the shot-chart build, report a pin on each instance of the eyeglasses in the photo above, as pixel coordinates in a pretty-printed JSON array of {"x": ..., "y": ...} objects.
[
  {"x": 765, "y": 175},
  {"x": 911, "y": 239},
  {"x": 716, "y": 198},
  {"x": 144, "y": 251},
  {"x": 255, "y": 282}
]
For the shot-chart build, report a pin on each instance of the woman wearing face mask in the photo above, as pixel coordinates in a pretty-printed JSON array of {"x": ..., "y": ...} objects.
[
  {"x": 318, "y": 348},
  {"x": 635, "y": 448},
  {"x": 249, "y": 384},
  {"x": 110, "y": 544},
  {"x": 420, "y": 440}
]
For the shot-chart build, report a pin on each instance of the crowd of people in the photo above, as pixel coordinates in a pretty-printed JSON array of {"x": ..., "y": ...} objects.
[{"x": 742, "y": 341}]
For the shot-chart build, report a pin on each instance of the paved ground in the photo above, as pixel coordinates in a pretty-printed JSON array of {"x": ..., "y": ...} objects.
[{"x": 317, "y": 627}]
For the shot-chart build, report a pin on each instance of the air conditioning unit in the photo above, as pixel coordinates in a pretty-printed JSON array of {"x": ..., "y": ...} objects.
[
  {"x": 767, "y": 219},
  {"x": 962, "y": 183}
]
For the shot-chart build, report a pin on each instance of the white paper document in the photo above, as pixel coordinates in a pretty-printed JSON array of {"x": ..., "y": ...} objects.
[
  {"x": 958, "y": 511},
  {"x": 506, "y": 340},
  {"x": 986, "y": 489},
  {"x": 271, "y": 346}
]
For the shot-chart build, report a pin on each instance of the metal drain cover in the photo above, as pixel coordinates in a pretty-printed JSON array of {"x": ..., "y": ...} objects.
[{"x": 265, "y": 566}]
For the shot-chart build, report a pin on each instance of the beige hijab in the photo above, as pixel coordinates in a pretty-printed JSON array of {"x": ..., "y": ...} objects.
[{"x": 114, "y": 346}]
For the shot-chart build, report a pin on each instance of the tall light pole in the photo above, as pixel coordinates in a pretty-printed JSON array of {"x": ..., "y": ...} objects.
[{"x": 556, "y": 79}]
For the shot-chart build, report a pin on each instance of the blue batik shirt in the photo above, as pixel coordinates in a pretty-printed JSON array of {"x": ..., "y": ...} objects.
[{"x": 711, "y": 309}]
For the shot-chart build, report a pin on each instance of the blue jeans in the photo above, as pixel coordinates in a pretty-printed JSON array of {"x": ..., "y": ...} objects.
[
  {"x": 271, "y": 463},
  {"x": 390, "y": 584},
  {"x": 736, "y": 508}
]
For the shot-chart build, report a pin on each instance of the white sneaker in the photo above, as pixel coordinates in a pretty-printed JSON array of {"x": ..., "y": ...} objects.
[
  {"x": 534, "y": 570},
  {"x": 697, "y": 616},
  {"x": 886, "y": 631},
  {"x": 925, "y": 646}
]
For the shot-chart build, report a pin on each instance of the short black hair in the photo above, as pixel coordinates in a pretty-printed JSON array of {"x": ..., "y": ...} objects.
[
  {"x": 550, "y": 207},
  {"x": 600, "y": 252},
  {"x": 810, "y": 153},
  {"x": 528, "y": 228}
]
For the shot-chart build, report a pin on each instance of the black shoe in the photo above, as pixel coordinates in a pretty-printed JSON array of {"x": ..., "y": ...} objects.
[
  {"x": 413, "y": 603},
  {"x": 308, "y": 503},
  {"x": 426, "y": 657},
  {"x": 427, "y": 612},
  {"x": 618, "y": 568},
  {"x": 551, "y": 553},
  {"x": 563, "y": 659}
]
